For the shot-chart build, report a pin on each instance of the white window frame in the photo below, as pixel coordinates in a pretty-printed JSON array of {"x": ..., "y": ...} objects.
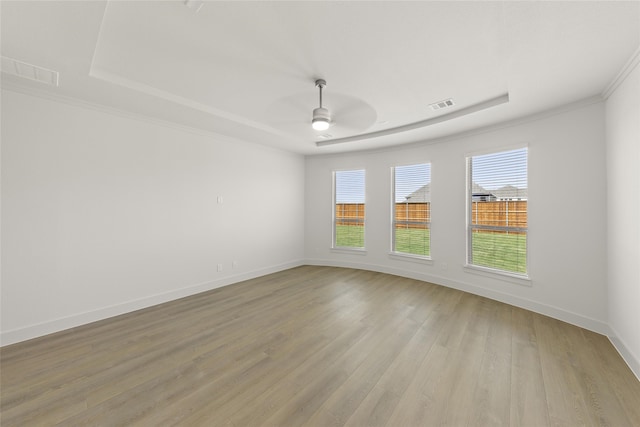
[
  {"x": 393, "y": 252},
  {"x": 334, "y": 246},
  {"x": 521, "y": 278}
]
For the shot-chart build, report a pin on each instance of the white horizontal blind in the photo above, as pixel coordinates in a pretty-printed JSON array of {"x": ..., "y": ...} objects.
[
  {"x": 349, "y": 209},
  {"x": 497, "y": 216},
  {"x": 411, "y": 233}
]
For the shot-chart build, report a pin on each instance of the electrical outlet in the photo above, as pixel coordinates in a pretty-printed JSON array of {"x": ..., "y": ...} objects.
[
  {"x": 234, "y": 264},
  {"x": 219, "y": 267}
]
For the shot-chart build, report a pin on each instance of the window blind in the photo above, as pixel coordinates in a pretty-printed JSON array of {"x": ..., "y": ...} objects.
[
  {"x": 411, "y": 230},
  {"x": 349, "y": 205},
  {"x": 497, "y": 211}
]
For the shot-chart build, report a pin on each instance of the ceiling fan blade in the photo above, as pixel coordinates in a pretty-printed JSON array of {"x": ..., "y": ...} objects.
[
  {"x": 293, "y": 113},
  {"x": 354, "y": 115}
]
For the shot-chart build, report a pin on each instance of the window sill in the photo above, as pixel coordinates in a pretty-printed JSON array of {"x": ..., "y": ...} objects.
[
  {"x": 519, "y": 279},
  {"x": 410, "y": 258},
  {"x": 345, "y": 250}
]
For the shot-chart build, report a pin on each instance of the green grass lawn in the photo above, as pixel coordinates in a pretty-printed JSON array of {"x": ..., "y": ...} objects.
[
  {"x": 350, "y": 236},
  {"x": 413, "y": 241},
  {"x": 500, "y": 251}
]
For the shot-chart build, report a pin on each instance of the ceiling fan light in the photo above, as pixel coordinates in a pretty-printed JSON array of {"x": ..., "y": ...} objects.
[{"x": 321, "y": 119}]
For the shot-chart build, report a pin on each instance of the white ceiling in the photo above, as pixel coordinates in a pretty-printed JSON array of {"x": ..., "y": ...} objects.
[{"x": 247, "y": 69}]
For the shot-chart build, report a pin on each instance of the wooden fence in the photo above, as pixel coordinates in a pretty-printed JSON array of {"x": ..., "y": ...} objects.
[
  {"x": 350, "y": 214},
  {"x": 353, "y": 214},
  {"x": 498, "y": 214},
  {"x": 409, "y": 213}
]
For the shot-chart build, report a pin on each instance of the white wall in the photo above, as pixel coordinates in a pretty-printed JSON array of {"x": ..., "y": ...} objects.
[
  {"x": 623, "y": 215},
  {"x": 103, "y": 213},
  {"x": 567, "y": 254}
]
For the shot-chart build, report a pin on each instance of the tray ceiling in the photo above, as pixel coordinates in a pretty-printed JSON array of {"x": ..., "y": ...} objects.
[{"x": 247, "y": 69}]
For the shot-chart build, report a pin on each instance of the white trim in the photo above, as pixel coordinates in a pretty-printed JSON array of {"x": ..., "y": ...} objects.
[
  {"x": 583, "y": 103},
  {"x": 180, "y": 100},
  {"x": 334, "y": 202},
  {"x": 392, "y": 216},
  {"x": 99, "y": 37},
  {"x": 401, "y": 256},
  {"x": 60, "y": 324},
  {"x": 512, "y": 277},
  {"x": 53, "y": 96},
  {"x": 628, "y": 67},
  {"x": 79, "y": 103},
  {"x": 348, "y": 250},
  {"x": 502, "y": 99},
  {"x": 500, "y": 149},
  {"x": 519, "y": 279},
  {"x": 576, "y": 319},
  {"x": 631, "y": 359},
  {"x": 57, "y": 325}
]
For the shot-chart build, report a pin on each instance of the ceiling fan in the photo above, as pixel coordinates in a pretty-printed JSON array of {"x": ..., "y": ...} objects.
[
  {"x": 321, "y": 118},
  {"x": 348, "y": 118},
  {"x": 342, "y": 115}
]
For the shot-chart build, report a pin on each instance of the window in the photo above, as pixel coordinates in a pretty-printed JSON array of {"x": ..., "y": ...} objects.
[
  {"x": 411, "y": 233},
  {"x": 497, "y": 211},
  {"x": 348, "y": 230}
]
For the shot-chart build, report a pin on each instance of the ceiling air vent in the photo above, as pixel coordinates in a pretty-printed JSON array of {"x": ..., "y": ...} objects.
[
  {"x": 442, "y": 104},
  {"x": 29, "y": 71},
  {"x": 325, "y": 136}
]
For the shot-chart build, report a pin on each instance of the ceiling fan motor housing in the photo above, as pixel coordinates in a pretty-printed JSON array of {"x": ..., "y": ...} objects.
[
  {"x": 321, "y": 113},
  {"x": 321, "y": 119}
]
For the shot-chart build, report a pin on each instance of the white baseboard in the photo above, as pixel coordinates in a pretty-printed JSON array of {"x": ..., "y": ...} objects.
[
  {"x": 557, "y": 313},
  {"x": 632, "y": 360},
  {"x": 57, "y": 325},
  {"x": 598, "y": 326},
  {"x": 545, "y": 309}
]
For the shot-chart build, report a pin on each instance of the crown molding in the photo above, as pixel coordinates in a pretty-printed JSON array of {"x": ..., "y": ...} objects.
[
  {"x": 632, "y": 63},
  {"x": 476, "y": 131},
  {"x": 179, "y": 100},
  {"x": 77, "y": 102},
  {"x": 502, "y": 99},
  {"x": 80, "y": 103}
]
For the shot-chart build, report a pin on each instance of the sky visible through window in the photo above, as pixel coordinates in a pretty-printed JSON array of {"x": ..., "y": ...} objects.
[
  {"x": 512, "y": 170},
  {"x": 350, "y": 186},
  {"x": 493, "y": 171},
  {"x": 411, "y": 178}
]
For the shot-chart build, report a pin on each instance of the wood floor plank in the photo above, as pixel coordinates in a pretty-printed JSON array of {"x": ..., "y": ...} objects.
[
  {"x": 457, "y": 406},
  {"x": 528, "y": 397},
  {"x": 420, "y": 399},
  {"x": 339, "y": 407},
  {"x": 296, "y": 349},
  {"x": 427, "y": 400},
  {"x": 490, "y": 404},
  {"x": 344, "y": 361},
  {"x": 379, "y": 404},
  {"x": 320, "y": 346},
  {"x": 564, "y": 399}
]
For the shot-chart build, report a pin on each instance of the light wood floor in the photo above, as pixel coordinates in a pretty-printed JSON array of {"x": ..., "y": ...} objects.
[{"x": 325, "y": 347}]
